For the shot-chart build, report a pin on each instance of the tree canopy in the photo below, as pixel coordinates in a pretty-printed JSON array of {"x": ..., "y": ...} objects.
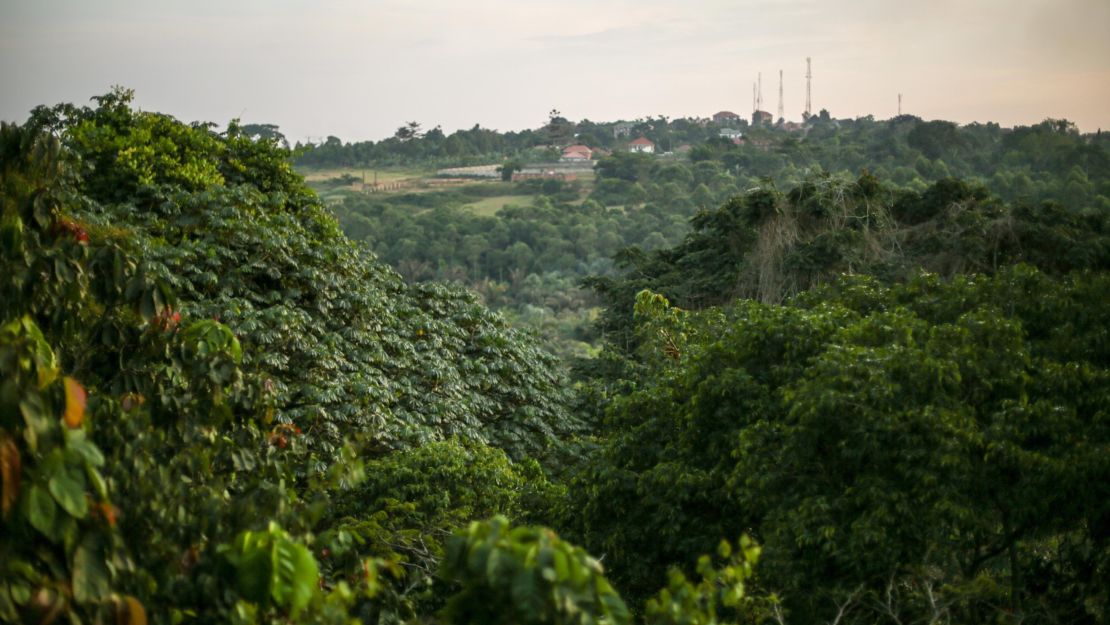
[{"x": 889, "y": 387}]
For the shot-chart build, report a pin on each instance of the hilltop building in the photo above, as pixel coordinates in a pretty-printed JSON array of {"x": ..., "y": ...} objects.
[
  {"x": 642, "y": 145},
  {"x": 730, "y": 133},
  {"x": 577, "y": 153},
  {"x": 726, "y": 117},
  {"x": 622, "y": 129},
  {"x": 762, "y": 118}
]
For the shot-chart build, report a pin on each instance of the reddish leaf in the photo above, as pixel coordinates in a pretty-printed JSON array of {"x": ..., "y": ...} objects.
[
  {"x": 10, "y": 464},
  {"x": 109, "y": 512}
]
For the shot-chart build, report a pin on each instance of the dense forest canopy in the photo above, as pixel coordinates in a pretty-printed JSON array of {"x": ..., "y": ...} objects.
[
  {"x": 526, "y": 257},
  {"x": 857, "y": 372},
  {"x": 241, "y": 358}
]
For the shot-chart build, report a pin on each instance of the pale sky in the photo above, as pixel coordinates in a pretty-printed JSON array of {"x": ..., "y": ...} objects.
[{"x": 359, "y": 69}]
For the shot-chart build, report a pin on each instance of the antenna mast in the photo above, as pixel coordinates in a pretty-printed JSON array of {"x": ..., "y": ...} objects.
[
  {"x": 782, "y": 115},
  {"x": 755, "y": 107},
  {"x": 899, "y": 105},
  {"x": 809, "y": 81},
  {"x": 759, "y": 98}
]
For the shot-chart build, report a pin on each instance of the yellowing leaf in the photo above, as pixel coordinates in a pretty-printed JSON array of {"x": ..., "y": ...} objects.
[
  {"x": 75, "y": 402},
  {"x": 129, "y": 611}
]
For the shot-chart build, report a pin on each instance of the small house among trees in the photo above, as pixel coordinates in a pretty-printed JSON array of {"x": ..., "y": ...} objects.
[
  {"x": 642, "y": 145},
  {"x": 577, "y": 153},
  {"x": 726, "y": 117}
]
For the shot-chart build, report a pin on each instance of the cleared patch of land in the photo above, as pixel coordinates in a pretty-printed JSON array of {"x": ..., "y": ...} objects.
[
  {"x": 489, "y": 206},
  {"x": 362, "y": 173},
  {"x": 334, "y": 184}
]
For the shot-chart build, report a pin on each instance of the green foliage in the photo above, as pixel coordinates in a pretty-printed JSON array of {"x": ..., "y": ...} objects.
[
  {"x": 936, "y": 449},
  {"x": 61, "y": 553},
  {"x": 272, "y": 569},
  {"x": 769, "y": 245},
  {"x": 953, "y": 199},
  {"x": 706, "y": 601},
  {"x": 526, "y": 575},
  {"x": 526, "y": 261},
  {"x": 240, "y": 355},
  {"x": 507, "y": 169},
  {"x": 344, "y": 344},
  {"x": 216, "y": 408},
  {"x": 627, "y": 166},
  {"x": 412, "y": 499}
]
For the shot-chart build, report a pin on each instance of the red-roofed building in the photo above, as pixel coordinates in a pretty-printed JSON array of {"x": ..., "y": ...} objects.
[
  {"x": 642, "y": 145},
  {"x": 725, "y": 117},
  {"x": 577, "y": 153}
]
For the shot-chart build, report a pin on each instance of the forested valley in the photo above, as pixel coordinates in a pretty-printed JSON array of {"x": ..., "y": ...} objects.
[
  {"x": 854, "y": 372},
  {"x": 529, "y": 254}
]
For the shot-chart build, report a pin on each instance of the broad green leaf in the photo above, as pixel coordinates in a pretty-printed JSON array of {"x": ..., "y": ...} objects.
[
  {"x": 253, "y": 570},
  {"x": 69, "y": 493},
  {"x": 97, "y": 481},
  {"x": 41, "y": 509},
  {"x": 91, "y": 580},
  {"x": 77, "y": 443},
  {"x": 35, "y": 418},
  {"x": 304, "y": 579}
]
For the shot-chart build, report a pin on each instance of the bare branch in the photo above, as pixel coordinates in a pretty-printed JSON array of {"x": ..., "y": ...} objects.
[{"x": 846, "y": 606}]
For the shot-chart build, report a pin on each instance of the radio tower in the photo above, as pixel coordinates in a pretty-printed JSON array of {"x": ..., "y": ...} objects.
[
  {"x": 755, "y": 106},
  {"x": 782, "y": 115},
  {"x": 759, "y": 97},
  {"x": 809, "y": 81},
  {"x": 899, "y": 105}
]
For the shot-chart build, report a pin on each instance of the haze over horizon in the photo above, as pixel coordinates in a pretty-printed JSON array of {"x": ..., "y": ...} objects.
[{"x": 358, "y": 70}]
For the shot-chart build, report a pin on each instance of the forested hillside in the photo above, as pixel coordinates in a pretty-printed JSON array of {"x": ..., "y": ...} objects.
[
  {"x": 814, "y": 394},
  {"x": 1045, "y": 159},
  {"x": 1039, "y": 161},
  {"x": 526, "y": 255},
  {"x": 227, "y": 359}
]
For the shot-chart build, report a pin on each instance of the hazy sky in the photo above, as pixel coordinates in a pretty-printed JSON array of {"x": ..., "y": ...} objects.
[{"x": 359, "y": 69}]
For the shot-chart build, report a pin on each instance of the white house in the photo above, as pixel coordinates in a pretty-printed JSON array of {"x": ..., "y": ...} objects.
[{"x": 642, "y": 145}]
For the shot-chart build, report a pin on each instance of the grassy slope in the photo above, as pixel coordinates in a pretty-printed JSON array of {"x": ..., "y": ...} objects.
[{"x": 489, "y": 206}]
